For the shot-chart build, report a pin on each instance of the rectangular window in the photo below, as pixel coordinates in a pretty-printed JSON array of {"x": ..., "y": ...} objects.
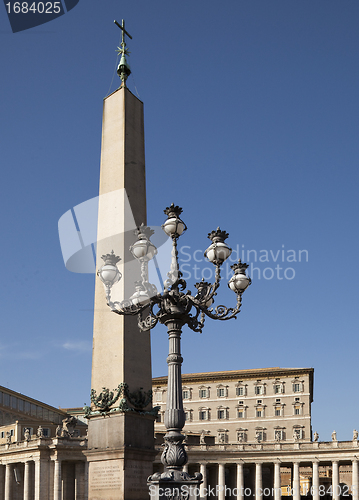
[
  {"x": 185, "y": 394},
  {"x": 297, "y": 410},
  {"x": 158, "y": 396},
  {"x": 221, "y": 414},
  {"x": 296, "y": 387},
  {"x": 258, "y": 389},
  {"x": 259, "y": 413},
  {"x": 222, "y": 437},
  {"x": 203, "y": 393},
  {"x": 2, "y": 434},
  {"x": 221, "y": 392},
  {"x": 278, "y": 435},
  {"x": 240, "y": 391},
  {"x": 259, "y": 436},
  {"x": 298, "y": 433},
  {"x": 277, "y": 400},
  {"x": 240, "y": 414},
  {"x": 241, "y": 436},
  {"x": 203, "y": 415},
  {"x": 277, "y": 389},
  {"x": 259, "y": 401},
  {"x": 46, "y": 432},
  {"x": 277, "y": 412}
]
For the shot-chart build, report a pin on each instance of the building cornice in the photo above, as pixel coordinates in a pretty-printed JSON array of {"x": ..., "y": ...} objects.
[{"x": 235, "y": 375}]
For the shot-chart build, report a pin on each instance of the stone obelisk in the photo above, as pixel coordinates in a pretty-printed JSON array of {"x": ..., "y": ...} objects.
[{"x": 121, "y": 439}]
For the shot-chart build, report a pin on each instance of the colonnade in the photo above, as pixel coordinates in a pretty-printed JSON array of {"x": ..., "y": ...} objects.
[
  {"x": 44, "y": 479},
  {"x": 245, "y": 480}
]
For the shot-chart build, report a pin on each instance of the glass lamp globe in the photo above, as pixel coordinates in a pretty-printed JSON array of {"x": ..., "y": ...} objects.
[
  {"x": 140, "y": 297},
  {"x": 143, "y": 249},
  {"x": 109, "y": 273},
  {"x": 239, "y": 281},
  {"x": 218, "y": 251},
  {"x": 173, "y": 226}
]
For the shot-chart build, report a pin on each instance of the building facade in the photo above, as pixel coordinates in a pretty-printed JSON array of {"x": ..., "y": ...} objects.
[
  {"x": 41, "y": 451},
  {"x": 244, "y": 406}
]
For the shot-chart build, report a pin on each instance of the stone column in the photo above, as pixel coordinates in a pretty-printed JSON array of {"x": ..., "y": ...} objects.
[
  {"x": 240, "y": 482},
  {"x": 41, "y": 480},
  {"x": 80, "y": 481},
  {"x": 57, "y": 480},
  {"x": 27, "y": 481},
  {"x": 203, "y": 487},
  {"x": 355, "y": 481},
  {"x": 277, "y": 482},
  {"x": 335, "y": 480},
  {"x": 259, "y": 485},
  {"x": 2, "y": 481},
  {"x": 296, "y": 481},
  {"x": 315, "y": 481},
  {"x": 8, "y": 481},
  {"x": 86, "y": 479},
  {"x": 221, "y": 481}
]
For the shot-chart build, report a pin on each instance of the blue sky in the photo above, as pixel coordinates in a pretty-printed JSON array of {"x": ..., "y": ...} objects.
[{"x": 251, "y": 124}]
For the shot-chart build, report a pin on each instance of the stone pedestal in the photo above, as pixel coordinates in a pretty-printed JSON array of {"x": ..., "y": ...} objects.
[{"x": 120, "y": 455}]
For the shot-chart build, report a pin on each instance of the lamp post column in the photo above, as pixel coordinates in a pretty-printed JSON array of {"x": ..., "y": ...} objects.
[{"x": 174, "y": 455}]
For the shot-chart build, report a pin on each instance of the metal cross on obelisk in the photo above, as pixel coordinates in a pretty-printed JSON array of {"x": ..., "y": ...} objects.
[
  {"x": 124, "y": 32},
  {"x": 123, "y": 69}
]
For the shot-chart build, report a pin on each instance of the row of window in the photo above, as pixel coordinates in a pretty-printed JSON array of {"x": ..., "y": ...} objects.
[
  {"x": 241, "y": 390},
  {"x": 223, "y": 413},
  {"x": 261, "y": 435},
  {"x": 241, "y": 412},
  {"x": 30, "y": 408}
]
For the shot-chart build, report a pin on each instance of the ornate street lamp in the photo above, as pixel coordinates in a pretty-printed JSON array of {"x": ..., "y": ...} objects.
[{"x": 174, "y": 307}]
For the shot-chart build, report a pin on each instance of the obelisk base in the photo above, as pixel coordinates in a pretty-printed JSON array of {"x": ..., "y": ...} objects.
[{"x": 120, "y": 456}]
